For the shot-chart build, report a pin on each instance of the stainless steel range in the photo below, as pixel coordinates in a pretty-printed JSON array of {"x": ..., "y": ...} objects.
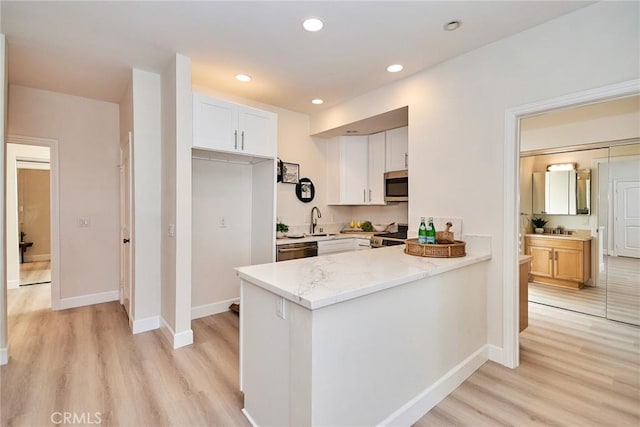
[{"x": 380, "y": 240}]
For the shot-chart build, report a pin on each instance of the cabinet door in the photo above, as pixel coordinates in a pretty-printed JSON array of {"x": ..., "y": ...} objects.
[
  {"x": 397, "y": 157},
  {"x": 214, "y": 124},
  {"x": 257, "y": 132},
  {"x": 376, "y": 169},
  {"x": 354, "y": 169},
  {"x": 567, "y": 264},
  {"x": 542, "y": 262}
]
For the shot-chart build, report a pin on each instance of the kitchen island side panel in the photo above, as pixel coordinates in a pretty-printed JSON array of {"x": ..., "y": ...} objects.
[
  {"x": 360, "y": 361},
  {"x": 264, "y": 346},
  {"x": 373, "y": 355}
]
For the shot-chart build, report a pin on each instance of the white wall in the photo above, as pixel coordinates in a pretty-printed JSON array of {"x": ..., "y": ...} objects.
[
  {"x": 145, "y": 123},
  {"x": 219, "y": 190},
  {"x": 3, "y": 260},
  {"x": 11, "y": 200},
  {"x": 87, "y": 132},
  {"x": 604, "y": 121},
  {"x": 177, "y": 123},
  {"x": 457, "y": 112}
]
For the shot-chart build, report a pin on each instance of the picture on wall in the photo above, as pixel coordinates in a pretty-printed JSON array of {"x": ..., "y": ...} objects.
[{"x": 290, "y": 173}]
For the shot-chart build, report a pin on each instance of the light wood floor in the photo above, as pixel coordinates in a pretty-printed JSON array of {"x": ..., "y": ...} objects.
[
  {"x": 85, "y": 360},
  {"x": 617, "y": 297},
  {"x": 589, "y": 300},
  {"x": 576, "y": 370},
  {"x": 623, "y": 289},
  {"x": 35, "y": 272}
]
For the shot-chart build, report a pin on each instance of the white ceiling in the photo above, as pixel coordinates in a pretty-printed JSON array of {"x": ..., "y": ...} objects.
[{"x": 87, "y": 48}]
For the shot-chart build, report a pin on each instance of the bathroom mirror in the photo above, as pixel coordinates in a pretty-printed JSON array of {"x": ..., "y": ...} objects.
[{"x": 562, "y": 192}]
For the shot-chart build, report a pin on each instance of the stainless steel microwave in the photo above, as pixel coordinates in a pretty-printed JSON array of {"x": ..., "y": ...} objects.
[{"x": 396, "y": 186}]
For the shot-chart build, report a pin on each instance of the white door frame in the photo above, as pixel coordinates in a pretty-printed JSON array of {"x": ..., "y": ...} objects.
[
  {"x": 510, "y": 338},
  {"x": 55, "y": 211}
]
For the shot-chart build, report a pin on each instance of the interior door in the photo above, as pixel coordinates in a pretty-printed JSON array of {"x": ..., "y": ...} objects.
[
  {"x": 626, "y": 223},
  {"x": 125, "y": 224}
]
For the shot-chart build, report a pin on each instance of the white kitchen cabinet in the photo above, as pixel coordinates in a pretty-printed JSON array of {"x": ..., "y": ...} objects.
[
  {"x": 224, "y": 126},
  {"x": 397, "y": 149},
  {"x": 361, "y": 243},
  {"x": 355, "y": 171},
  {"x": 376, "y": 168},
  {"x": 335, "y": 246}
]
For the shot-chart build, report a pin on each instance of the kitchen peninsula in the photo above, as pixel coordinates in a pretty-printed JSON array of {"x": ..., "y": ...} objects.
[{"x": 360, "y": 338}]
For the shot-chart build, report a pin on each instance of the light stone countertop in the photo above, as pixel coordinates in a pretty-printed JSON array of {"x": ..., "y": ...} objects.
[{"x": 320, "y": 281}]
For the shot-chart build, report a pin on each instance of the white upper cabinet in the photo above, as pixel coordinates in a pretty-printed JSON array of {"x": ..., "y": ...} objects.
[
  {"x": 224, "y": 126},
  {"x": 397, "y": 149},
  {"x": 377, "y": 144},
  {"x": 355, "y": 170}
]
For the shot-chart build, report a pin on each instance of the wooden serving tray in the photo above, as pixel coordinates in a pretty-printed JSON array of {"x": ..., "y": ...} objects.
[{"x": 456, "y": 249}]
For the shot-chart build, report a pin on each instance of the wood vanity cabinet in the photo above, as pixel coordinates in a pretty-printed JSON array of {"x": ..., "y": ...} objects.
[{"x": 559, "y": 261}]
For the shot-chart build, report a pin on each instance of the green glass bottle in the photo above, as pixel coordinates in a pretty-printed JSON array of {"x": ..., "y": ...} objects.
[
  {"x": 430, "y": 233},
  {"x": 422, "y": 231}
]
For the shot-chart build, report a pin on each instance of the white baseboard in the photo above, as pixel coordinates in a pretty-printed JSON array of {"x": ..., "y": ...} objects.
[
  {"x": 89, "y": 299},
  {"x": 248, "y": 417},
  {"x": 209, "y": 309},
  {"x": 496, "y": 354},
  {"x": 36, "y": 258},
  {"x": 13, "y": 284},
  {"x": 146, "y": 324},
  {"x": 4, "y": 355},
  {"x": 417, "y": 407},
  {"x": 181, "y": 339}
]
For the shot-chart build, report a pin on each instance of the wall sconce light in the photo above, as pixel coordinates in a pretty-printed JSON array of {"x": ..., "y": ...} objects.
[{"x": 561, "y": 167}]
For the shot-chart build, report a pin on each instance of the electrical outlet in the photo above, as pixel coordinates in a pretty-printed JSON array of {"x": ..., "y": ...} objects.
[
  {"x": 84, "y": 222},
  {"x": 223, "y": 222},
  {"x": 321, "y": 230}
]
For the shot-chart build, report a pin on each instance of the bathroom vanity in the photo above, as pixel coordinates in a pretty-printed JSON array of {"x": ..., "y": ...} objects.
[{"x": 560, "y": 260}]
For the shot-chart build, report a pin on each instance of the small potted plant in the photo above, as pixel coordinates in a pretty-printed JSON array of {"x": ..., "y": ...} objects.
[
  {"x": 538, "y": 224},
  {"x": 281, "y": 228}
]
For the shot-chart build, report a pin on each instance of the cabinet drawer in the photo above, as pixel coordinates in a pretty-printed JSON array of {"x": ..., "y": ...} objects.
[
  {"x": 551, "y": 242},
  {"x": 335, "y": 246}
]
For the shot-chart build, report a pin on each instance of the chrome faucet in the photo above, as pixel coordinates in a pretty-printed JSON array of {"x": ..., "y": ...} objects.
[{"x": 314, "y": 221}]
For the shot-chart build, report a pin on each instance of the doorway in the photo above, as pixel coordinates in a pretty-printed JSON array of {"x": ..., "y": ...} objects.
[
  {"x": 32, "y": 228},
  {"x": 512, "y": 145}
]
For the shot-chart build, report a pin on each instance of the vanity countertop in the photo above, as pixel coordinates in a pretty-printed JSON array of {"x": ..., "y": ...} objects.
[{"x": 578, "y": 236}]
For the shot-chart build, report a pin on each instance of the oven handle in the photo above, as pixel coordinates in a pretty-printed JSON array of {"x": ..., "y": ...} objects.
[{"x": 294, "y": 249}]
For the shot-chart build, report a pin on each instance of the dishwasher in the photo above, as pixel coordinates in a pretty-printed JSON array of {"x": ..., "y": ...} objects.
[{"x": 296, "y": 250}]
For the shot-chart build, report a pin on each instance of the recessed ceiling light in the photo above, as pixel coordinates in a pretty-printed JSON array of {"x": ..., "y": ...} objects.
[
  {"x": 394, "y": 68},
  {"x": 317, "y": 101},
  {"x": 452, "y": 26},
  {"x": 243, "y": 77},
  {"x": 313, "y": 24}
]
